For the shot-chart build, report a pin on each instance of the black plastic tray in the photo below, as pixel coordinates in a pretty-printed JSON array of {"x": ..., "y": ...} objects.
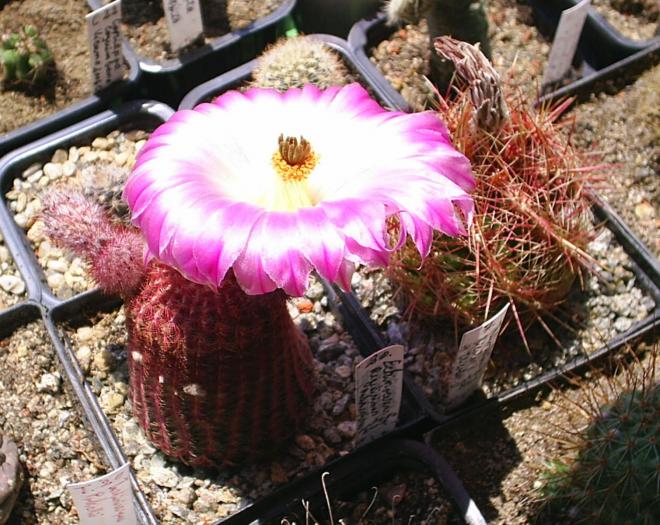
[
  {"x": 603, "y": 52},
  {"x": 170, "y": 79},
  {"x": 41, "y": 302},
  {"x": 231, "y": 79},
  {"x": 647, "y": 272},
  {"x": 111, "y": 96},
  {"x": 355, "y": 473}
]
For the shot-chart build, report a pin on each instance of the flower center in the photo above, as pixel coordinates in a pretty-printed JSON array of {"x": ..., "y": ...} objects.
[{"x": 294, "y": 159}]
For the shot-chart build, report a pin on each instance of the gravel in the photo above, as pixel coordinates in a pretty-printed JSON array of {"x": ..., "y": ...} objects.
[
  {"x": 608, "y": 305},
  {"x": 40, "y": 415},
  {"x": 629, "y": 140},
  {"x": 635, "y": 19},
  {"x": 100, "y": 170},
  {"x": 12, "y": 287},
  {"x": 177, "y": 492}
]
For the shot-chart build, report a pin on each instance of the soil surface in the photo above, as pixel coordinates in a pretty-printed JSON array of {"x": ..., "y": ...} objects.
[
  {"x": 179, "y": 493},
  {"x": 145, "y": 25},
  {"x": 40, "y": 415},
  {"x": 502, "y": 456},
  {"x": 61, "y": 23},
  {"x": 634, "y": 19}
]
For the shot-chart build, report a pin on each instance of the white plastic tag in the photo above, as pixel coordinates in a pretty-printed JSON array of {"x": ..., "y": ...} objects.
[
  {"x": 565, "y": 42},
  {"x": 184, "y": 20},
  {"x": 378, "y": 386},
  {"x": 472, "y": 359},
  {"x": 104, "y": 36},
  {"x": 106, "y": 500}
]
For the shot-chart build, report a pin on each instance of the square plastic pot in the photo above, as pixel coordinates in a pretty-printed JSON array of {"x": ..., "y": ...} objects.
[
  {"x": 170, "y": 79},
  {"x": 55, "y": 311},
  {"x": 111, "y": 96},
  {"x": 603, "y": 52}
]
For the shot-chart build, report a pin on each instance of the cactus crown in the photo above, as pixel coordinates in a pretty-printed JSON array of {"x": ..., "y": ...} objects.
[
  {"x": 24, "y": 57},
  {"x": 294, "y": 62},
  {"x": 615, "y": 474}
]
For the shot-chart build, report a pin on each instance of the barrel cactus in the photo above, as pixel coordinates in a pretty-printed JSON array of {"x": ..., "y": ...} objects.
[
  {"x": 11, "y": 477},
  {"x": 533, "y": 218},
  {"x": 24, "y": 58},
  {"x": 614, "y": 475},
  {"x": 294, "y": 62}
]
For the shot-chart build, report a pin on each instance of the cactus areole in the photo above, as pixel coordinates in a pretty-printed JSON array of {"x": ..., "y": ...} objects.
[{"x": 238, "y": 201}]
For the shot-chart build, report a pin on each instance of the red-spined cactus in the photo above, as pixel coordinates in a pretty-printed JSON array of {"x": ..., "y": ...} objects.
[
  {"x": 532, "y": 209},
  {"x": 216, "y": 376}
]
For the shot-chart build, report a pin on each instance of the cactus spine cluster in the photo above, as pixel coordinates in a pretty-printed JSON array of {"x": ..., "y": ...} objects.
[
  {"x": 294, "y": 62},
  {"x": 532, "y": 215},
  {"x": 614, "y": 477},
  {"x": 24, "y": 57}
]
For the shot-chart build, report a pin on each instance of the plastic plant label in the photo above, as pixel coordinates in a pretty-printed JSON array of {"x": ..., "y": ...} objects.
[
  {"x": 107, "y": 500},
  {"x": 104, "y": 35},
  {"x": 472, "y": 358},
  {"x": 378, "y": 386},
  {"x": 565, "y": 42},
  {"x": 184, "y": 20}
]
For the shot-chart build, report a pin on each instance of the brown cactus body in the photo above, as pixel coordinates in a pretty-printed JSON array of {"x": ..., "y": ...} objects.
[{"x": 217, "y": 377}]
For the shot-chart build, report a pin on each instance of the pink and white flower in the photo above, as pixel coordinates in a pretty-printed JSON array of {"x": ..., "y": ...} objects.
[{"x": 233, "y": 185}]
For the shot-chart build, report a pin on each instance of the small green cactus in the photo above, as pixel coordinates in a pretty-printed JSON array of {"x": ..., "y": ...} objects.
[
  {"x": 294, "y": 62},
  {"x": 615, "y": 477},
  {"x": 24, "y": 58}
]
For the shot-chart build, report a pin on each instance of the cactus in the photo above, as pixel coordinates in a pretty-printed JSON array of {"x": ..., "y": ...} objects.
[
  {"x": 294, "y": 62},
  {"x": 11, "y": 477},
  {"x": 205, "y": 391},
  {"x": 464, "y": 20},
  {"x": 613, "y": 477},
  {"x": 25, "y": 58},
  {"x": 532, "y": 216}
]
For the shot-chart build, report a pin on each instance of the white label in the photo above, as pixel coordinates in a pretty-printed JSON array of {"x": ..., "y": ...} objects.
[
  {"x": 565, "y": 42},
  {"x": 184, "y": 20},
  {"x": 472, "y": 359},
  {"x": 106, "y": 500},
  {"x": 104, "y": 35},
  {"x": 378, "y": 385}
]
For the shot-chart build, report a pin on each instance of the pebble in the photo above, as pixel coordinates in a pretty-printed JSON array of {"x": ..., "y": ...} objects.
[
  {"x": 49, "y": 383},
  {"x": 164, "y": 477},
  {"x": 12, "y": 284},
  {"x": 59, "y": 156},
  {"x": 53, "y": 171}
]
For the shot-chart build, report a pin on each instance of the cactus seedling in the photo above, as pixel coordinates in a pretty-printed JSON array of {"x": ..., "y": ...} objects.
[
  {"x": 25, "y": 58},
  {"x": 533, "y": 217},
  {"x": 294, "y": 62}
]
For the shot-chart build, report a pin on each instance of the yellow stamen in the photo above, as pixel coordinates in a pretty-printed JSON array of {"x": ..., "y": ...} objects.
[{"x": 294, "y": 159}]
